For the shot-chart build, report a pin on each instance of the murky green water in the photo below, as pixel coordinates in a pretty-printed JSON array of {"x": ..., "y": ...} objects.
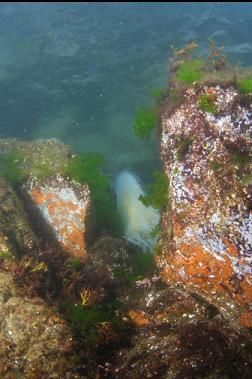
[{"x": 79, "y": 71}]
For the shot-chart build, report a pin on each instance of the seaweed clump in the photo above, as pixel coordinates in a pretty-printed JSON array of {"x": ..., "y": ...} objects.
[
  {"x": 158, "y": 192},
  {"x": 80, "y": 294},
  {"x": 245, "y": 85},
  {"x": 12, "y": 169},
  {"x": 159, "y": 94},
  {"x": 190, "y": 71},
  {"x": 42, "y": 171},
  {"x": 97, "y": 325},
  {"x": 146, "y": 121},
  {"x": 207, "y": 103},
  {"x": 139, "y": 265}
]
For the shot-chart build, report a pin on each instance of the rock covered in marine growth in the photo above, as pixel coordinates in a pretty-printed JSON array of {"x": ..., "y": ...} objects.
[
  {"x": 35, "y": 341},
  {"x": 14, "y": 223},
  {"x": 33, "y": 338},
  {"x": 38, "y": 157},
  {"x": 63, "y": 206},
  {"x": 177, "y": 335},
  {"x": 206, "y": 157}
]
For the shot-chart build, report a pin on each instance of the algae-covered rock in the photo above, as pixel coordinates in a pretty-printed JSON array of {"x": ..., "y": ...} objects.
[
  {"x": 177, "y": 335},
  {"x": 14, "y": 224},
  {"x": 206, "y": 151},
  {"x": 53, "y": 206},
  {"x": 35, "y": 342},
  {"x": 40, "y": 158},
  {"x": 174, "y": 333},
  {"x": 6, "y": 251}
]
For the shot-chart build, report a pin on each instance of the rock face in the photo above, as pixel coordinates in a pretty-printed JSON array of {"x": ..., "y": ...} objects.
[
  {"x": 35, "y": 341},
  {"x": 33, "y": 337},
  {"x": 63, "y": 205},
  {"x": 14, "y": 224},
  {"x": 206, "y": 157},
  {"x": 178, "y": 336},
  {"x": 38, "y": 154},
  {"x": 59, "y": 206}
]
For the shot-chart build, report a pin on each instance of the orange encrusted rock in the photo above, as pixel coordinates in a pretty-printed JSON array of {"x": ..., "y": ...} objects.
[
  {"x": 139, "y": 318},
  {"x": 206, "y": 157},
  {"x": 63, "y": 206}
]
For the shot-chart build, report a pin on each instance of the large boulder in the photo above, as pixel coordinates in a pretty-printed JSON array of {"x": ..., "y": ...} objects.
[
  {"x": 35, "y": 341},
  {"x": 60, "y": 208},
  {"x": 177, "y": 335},
  {"x": 208, "y": 246},
  {"x": 14, "y": 223},
  {"x": 36, "y": 197}
]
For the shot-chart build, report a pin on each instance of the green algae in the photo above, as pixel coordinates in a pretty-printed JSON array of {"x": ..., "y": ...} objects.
[
  {"x": 158, "y": 94},
  {"x": 206, "y": 103},
  {"x": 175, "y": 95},
  {"x": 12, "y": 169},
  {"x": 85, "y": 320},
  {"x": 190, "y": 71},
  {"x": 246, "y": 180},
  {"x": 87, "y": 169},
  {"x": 42, "y": 171},
  {"x": 143, "y": 264},
  {"x": 7, "y": 256},
  {"x": 175, "y": 171},
  {"x": 88, "y": 322},
  {"x": 159, "y": 250},
  {"x": 76, "y": 263},
  {"x": 245, "y": 85},
  {"x": 157, "y": 196},
  {"x": 146, "y": 120},
  {"x": 140, "y": 264}
]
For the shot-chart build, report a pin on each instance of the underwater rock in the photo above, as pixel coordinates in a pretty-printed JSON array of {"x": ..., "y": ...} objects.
[
  {"x": 14, "y": 224},
  {"x": 206, "y": 157},
  {"x": 33, "y": 338},
  {"x": 59, "y": 207},
  {"x": 177, "y": 335},
  {"x": 40, "y": 157}
]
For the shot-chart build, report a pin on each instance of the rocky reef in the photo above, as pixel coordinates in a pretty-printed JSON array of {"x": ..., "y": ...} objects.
[
  {"x": 206, "y": 151},
  {"x": 34, "y": 339},
  {"x": 79, "y": 301}
]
